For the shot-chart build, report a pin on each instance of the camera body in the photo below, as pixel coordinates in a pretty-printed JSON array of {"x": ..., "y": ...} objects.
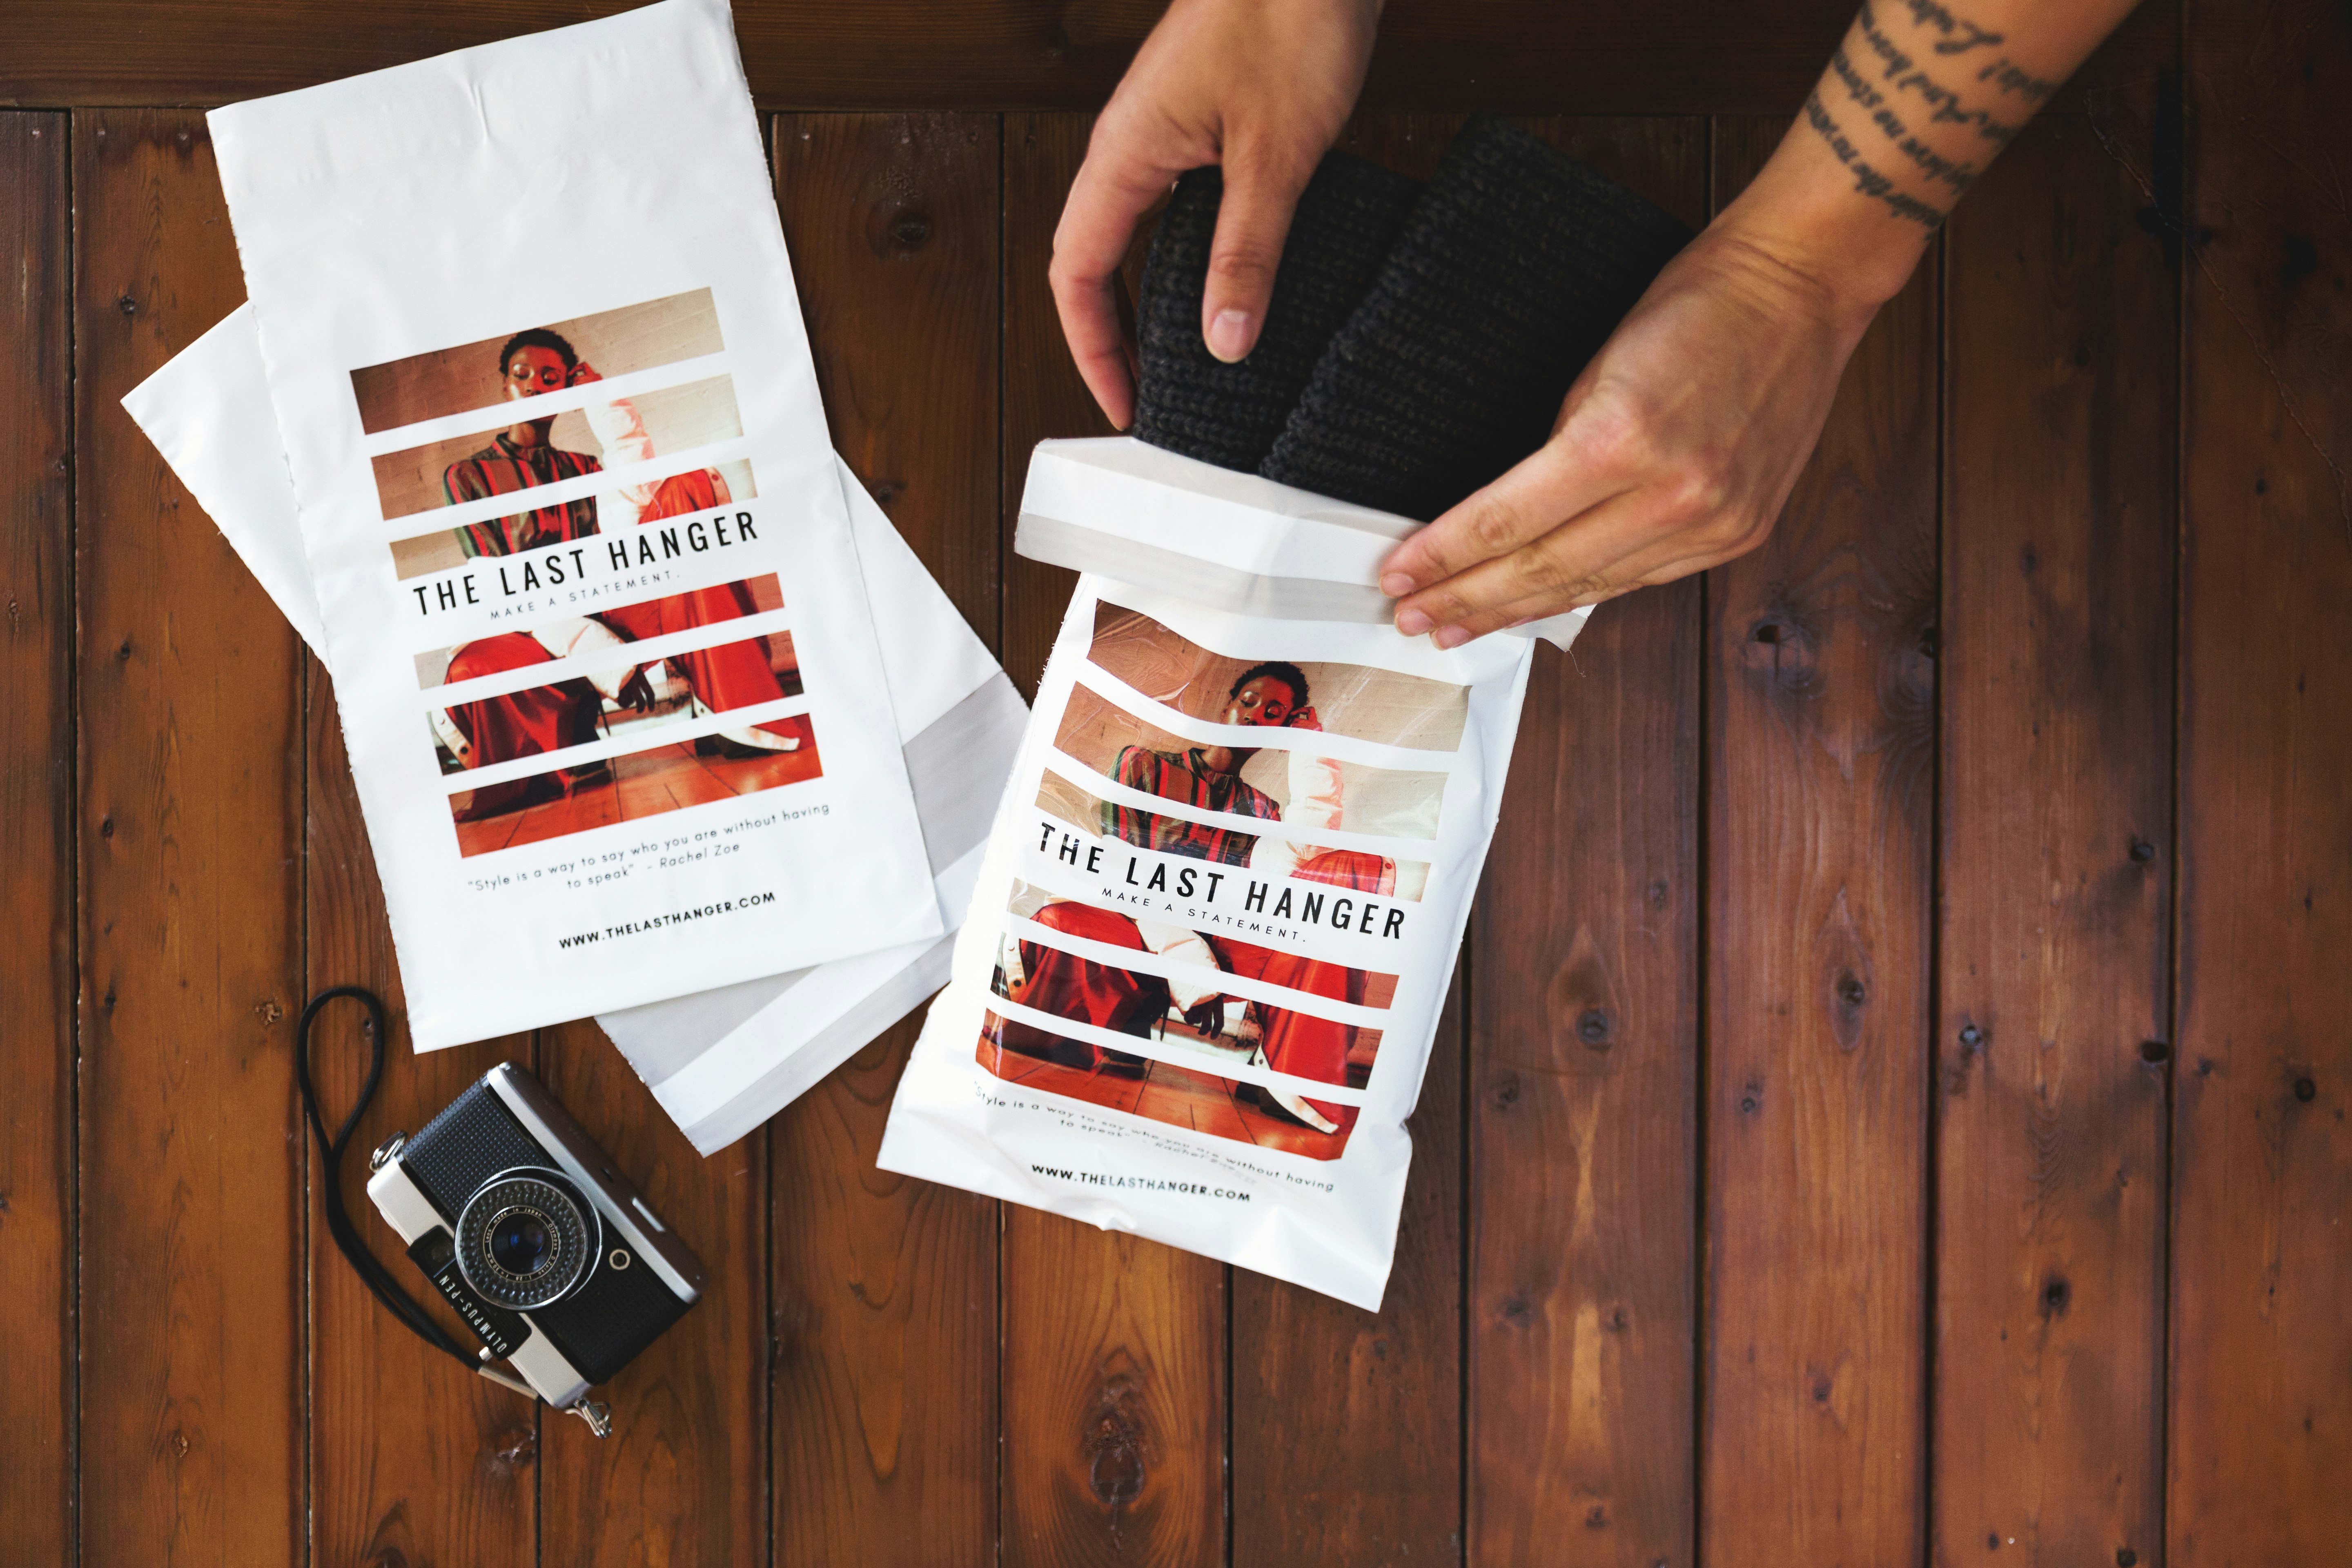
[{"x": 522, "y": 1223}]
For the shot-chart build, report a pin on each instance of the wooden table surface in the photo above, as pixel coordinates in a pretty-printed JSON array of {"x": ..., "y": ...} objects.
[{"x": 1894, "y": 1104}]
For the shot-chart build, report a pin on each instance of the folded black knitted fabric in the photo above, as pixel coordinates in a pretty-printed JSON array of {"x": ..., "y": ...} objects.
[
  {"x": 1514, "y": 268},
  {"x": 1186, "y": 399}
]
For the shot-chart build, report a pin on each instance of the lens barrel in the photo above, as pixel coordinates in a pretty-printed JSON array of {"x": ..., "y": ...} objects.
[{"x": 526, "y": 1238}]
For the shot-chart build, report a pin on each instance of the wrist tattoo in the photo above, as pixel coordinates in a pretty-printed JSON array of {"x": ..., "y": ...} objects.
[
  {"x": 1937, "y": 167},
  {"x": 1868, "y": 181},
  {"x": 2006, "y": 77},
  {"x": 1905, "y": 75},
  {"x": 1960, "y": 35}
]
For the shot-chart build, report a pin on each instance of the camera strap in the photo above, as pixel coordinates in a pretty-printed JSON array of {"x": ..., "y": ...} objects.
[{"x": 372, "y": 1273}]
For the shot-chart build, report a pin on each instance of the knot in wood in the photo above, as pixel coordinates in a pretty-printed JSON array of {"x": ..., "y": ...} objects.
[
  {"x": 2142, "y": 851},
  {"x": 1971, "y": 1037},
  {"x": 1116, "y": 1468},
  {"x": 897, "y": 229},
  {"x": 1592, "y": 1026},
  {"x": 2305, "y": 1091}
]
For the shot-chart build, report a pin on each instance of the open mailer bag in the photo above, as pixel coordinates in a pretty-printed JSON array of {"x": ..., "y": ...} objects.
[
  {"x": 1207, "y": 949},
  {"x": 530, "y": 332},
  {"x": 721, "y": 1061}
]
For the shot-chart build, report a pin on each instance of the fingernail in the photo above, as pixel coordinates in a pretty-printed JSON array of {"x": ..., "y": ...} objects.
[
  {"x": 1451, "y": 637},
  {"x": 1396, "y": 585},
  {"x": 1413, "y": 623},
  {"x": 1229, "y": 335}
]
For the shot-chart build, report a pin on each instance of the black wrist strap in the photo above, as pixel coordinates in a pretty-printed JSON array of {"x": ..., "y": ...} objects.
[{"x": 363, "y": 1263}]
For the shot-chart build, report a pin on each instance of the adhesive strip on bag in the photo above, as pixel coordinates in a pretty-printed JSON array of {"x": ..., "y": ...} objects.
[{"x": 1226, "y": 540}]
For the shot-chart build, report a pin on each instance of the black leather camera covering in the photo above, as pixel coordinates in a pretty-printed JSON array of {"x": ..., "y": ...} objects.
[{"x": 600, "y": 1327}]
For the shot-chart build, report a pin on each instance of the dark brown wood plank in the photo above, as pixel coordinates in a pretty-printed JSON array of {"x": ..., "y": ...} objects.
[
  {"x": 1613, "y": 57},
  {"x": 37, "y": 839},
  {"x": 1044, "y": 398},
  {"x": 885, "y": 1289},
  {"x": 2056, "y": 656},
  {"x": 412, "y": 1461},
  {"x": 2262, "y": 1155},
  {"x": 1583, "y": 1105},
  {"x": 893, "y": 221},
  {"x": 684, "y": 1476},
  {"x": 1819, "y": 757},
  {"x": 1114, "y": 1349},
  {"x": 192, "y": 1342},
  {"x": 1347, "y": 1425}
]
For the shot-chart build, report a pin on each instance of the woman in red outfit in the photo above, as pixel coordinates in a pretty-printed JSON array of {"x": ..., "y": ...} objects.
[{"x": 565, "y": 713}]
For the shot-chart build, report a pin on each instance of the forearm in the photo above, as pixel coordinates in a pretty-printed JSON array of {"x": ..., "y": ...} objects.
[{"x": 1918, "y": 98}]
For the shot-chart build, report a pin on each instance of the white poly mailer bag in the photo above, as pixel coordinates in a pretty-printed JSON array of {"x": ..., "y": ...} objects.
[
  {"x": 603, "y": 659},
  {"x": 722, "y": 1061},
  {"x": 1197, "y": 986}
]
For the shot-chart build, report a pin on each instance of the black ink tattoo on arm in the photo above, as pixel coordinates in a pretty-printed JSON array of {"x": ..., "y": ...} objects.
[
  {"x": 1944, "y": 104},
  {"x": 2006, "y": 77},
  {"x": 1867, "y": 181},
  {"x": 1960, "y": 35}
]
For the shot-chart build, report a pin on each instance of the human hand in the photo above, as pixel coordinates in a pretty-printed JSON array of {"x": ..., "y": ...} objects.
[
  {"x": 1305, "y": 719},
  {"x": 582, "y": 374},
  {"x": 1260, "y": 87},
  {"x": 1673, "y": 450},
  {"x": 636, "y": 693}
]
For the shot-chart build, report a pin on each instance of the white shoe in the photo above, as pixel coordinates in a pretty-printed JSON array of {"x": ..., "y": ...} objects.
[
  {"x": 1304, "y": 1111},
  {"x": 762, "y": 739}
]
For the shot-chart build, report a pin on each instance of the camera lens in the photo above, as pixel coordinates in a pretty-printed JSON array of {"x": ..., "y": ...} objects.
[
  {"x": 526, "y": 1238},
  {"x": 519, "y": 1243}
]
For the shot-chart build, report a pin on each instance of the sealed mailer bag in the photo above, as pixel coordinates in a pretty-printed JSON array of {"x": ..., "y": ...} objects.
[
  {"x": 721, "y": 1061},
  {"x": 603, "y": 658},
  {"x": 1197, "y": 983}
]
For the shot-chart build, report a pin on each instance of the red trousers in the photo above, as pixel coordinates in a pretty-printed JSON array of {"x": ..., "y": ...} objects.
[
  {"x": 519, "y": 723},
  {"x": 733, "y": 675},
  {"x": 1070, "y": 987}
]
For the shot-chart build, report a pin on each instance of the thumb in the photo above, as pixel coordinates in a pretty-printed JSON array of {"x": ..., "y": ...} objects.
[{"x": 1253, "y": 221}]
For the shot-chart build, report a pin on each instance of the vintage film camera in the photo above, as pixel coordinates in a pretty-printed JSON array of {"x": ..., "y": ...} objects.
[{"x": 552, "y": 1259}]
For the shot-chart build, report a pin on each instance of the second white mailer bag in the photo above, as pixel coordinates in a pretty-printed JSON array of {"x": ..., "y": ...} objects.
[
  {"x": 603, "y": 655},
  {"x": 721, "y": 1061},
  {"x": 1197, "y": 987}
]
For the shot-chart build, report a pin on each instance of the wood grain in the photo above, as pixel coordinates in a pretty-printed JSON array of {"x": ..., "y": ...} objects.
[
  {"x": 37, "y": 1421},
  {"x": 1585, "y": 1060},
  {"x": 1820, "y": 758},
  {"x": 894, "y": 224},
  {"x": 1522, "y": 55},
  {"x": 885, "y": 1289},
  {"x": 191, "y": 1346},
  {"x": 2056, "y": 663},
  {"x": 1114, "y": 1349},
  {"x": 2263, "y": 1154},
  {"x": 1346, "y": 1425},
  {"x": 1044, "y": 398},
  {"x": 412, "y": 1461}
]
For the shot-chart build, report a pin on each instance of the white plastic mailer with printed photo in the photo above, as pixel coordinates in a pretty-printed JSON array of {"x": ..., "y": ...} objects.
[
  {"x": 724, "y": 1061},
  {"x": 1196, "y": 990},
  {"x": 605, "y": 663}
]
